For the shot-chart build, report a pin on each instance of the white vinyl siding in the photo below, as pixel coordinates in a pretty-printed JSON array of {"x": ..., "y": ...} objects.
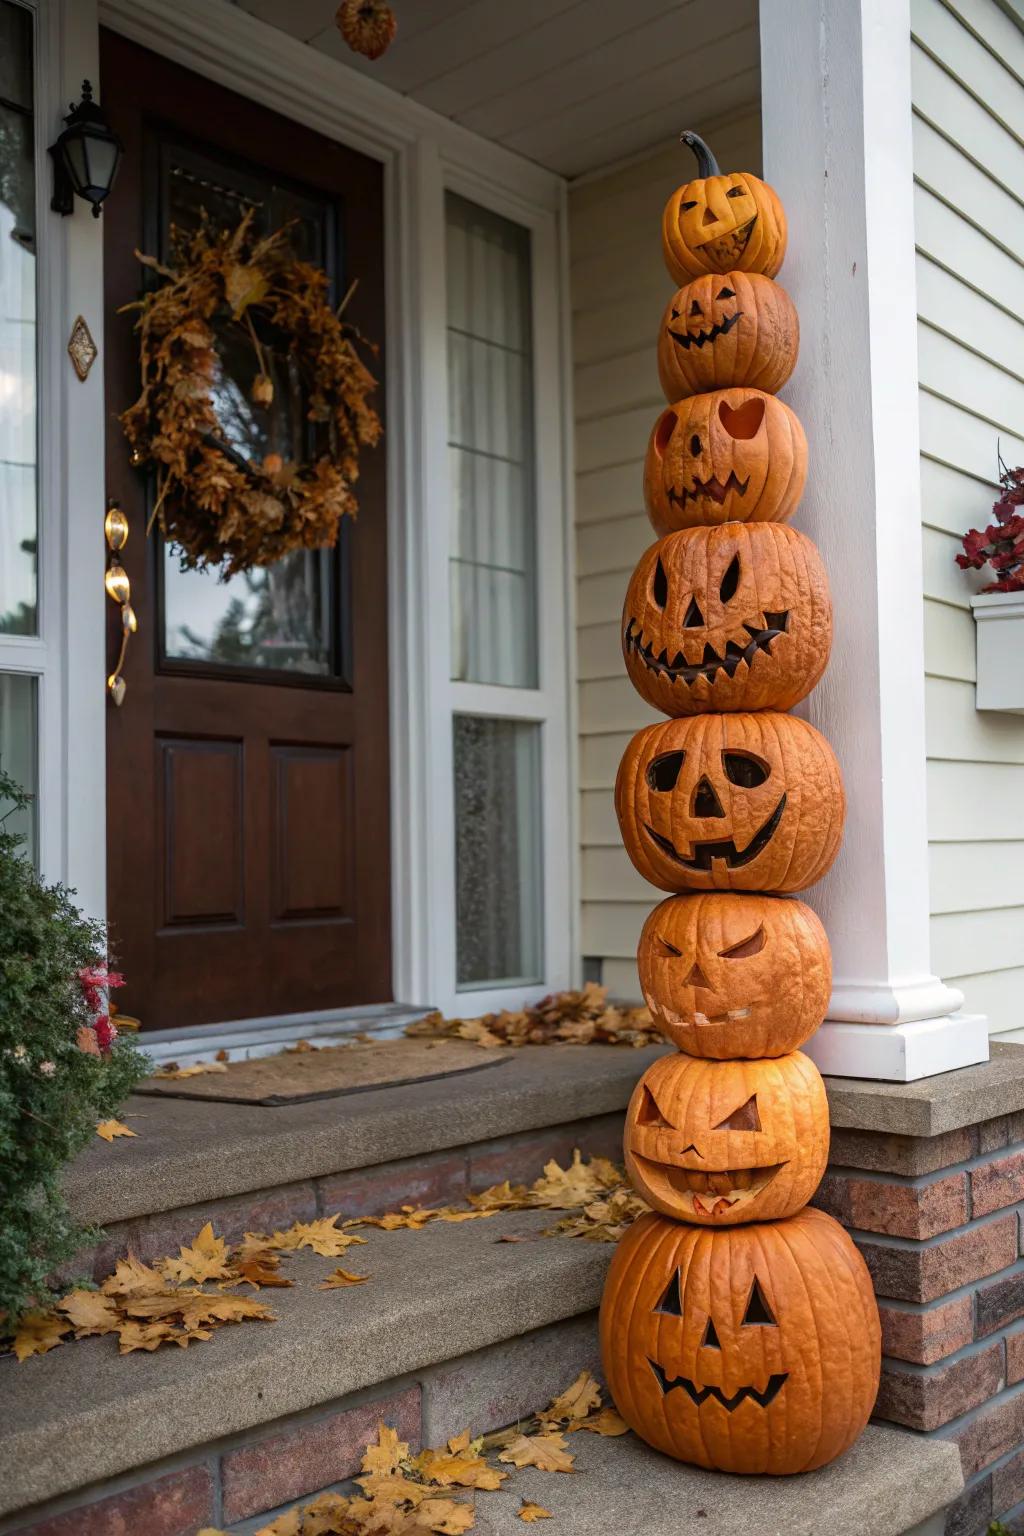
[
  {"x": 619, "y": 288},
  {"x": 968, "y": 95}
]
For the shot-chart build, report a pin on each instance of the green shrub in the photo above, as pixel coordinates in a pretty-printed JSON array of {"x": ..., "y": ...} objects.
[{"x": 62, "y": 1065}]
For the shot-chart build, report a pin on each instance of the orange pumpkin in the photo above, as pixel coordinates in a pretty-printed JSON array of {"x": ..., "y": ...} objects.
[
  {"x": 726, "y": 618},
  {"x": 730, "y": 802},
  {"x": 731, "y": 455},
  {"x": 728, "y": 974},
  {"x": 720, "y": 1142},
  {"x": 751, "y": 1349},
  {"x": 722, "y": 223},
  {"x": 722, "y": 331}
]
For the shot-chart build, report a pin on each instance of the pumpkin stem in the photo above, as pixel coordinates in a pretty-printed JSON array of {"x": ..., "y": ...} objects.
[{"x": 707, "y": 165}]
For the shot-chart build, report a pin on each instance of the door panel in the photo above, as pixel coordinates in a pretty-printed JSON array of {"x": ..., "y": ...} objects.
[{"x": 248, "y": 798}]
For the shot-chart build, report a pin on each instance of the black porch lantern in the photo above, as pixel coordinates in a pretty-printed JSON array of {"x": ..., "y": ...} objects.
[{"x": 85, "y": 157}]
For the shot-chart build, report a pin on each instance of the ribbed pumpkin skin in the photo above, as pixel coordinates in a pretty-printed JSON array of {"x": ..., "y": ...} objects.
[
  {"x": 690, "y": 1156},
  {"x": 780, "y": 835},
  {"x": 826, "y": 1339},
  {"x": 718, "y": 332},
  {"x": 777, "y": 993},
  {"x": 741, "y": 577},
  {"x": 746, "y": 234},
  {"x": 731, "y": 455}
]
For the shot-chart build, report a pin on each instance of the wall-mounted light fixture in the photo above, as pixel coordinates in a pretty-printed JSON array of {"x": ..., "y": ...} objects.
[{"x": 85, "y": 157}]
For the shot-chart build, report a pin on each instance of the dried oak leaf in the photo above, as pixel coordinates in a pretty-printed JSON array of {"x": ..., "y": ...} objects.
[
  {"x": 207, "y": 1259},
  {"x": 38, "y": 1332},
  {"x": 530, "y": 1512},
  {"x": 108, "y": 1129},
  {"x": 546, "y": 1451},
  {"x": 90, "y": 1312},
  {"x": 340, "y": 1278}
]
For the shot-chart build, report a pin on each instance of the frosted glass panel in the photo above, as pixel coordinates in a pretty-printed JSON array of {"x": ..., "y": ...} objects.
[
  {"x": 18, "y": 509},
  {"x": 498, "y": 852},
  {"x": 490, "y": 435},
  {"x": 19, "y": 750}
]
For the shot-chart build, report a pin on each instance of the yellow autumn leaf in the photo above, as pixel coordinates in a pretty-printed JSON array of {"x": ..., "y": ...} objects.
[
  {"x": 259, "y": 1267},
  {"x": 289, "y": 1524},
  {"x": 546, "y": 1452},
  {"x": 449, "y": 1517},
  {"x": 461, "y": 1468},
  {"x": 530, "y": 1512},
  {"x": 339, "y": 1278},
  {"x": 384, "y": 1458},
  {"x": 321, "y": 1235},
  {"x": 197, "y": 1069},
  {"x": 207, "y": 1259},
  {"x": 576, "y": 1401},
  {"x": 132, "y": 1278},
  {"x": 89, "y": 1312},
  {"x": 108, "y": 1129},
  {"x": 37, "y": 1333},
  {"x": 607, "y": 1422}
]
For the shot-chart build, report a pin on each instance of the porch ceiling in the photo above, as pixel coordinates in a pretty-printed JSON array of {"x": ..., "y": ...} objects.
[{"x": 572, "y": 84}]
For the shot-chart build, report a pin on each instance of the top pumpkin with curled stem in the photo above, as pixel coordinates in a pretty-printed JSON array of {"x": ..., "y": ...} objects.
[
  {"x": 730, "y": 455},
  {"x": 719, "y": 332},
  {"x": 721, "y": 223}
]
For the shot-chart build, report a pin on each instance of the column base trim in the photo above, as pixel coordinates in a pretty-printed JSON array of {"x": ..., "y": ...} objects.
[
  {"x": 922, "y": 997},
  {"x": 899, "y": 1053}
]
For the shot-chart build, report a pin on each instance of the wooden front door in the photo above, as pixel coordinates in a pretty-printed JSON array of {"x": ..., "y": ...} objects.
[{"x": 248, "y": 788}]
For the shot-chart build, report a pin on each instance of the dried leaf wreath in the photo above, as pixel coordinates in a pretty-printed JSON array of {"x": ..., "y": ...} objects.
[{"x": 216, "y": 505}]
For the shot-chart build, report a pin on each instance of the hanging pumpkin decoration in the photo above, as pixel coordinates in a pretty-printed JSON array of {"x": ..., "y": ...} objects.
[
  {"x": 721, "y": 223},
  {"x": 753, "y": 1349},
  {"x": 733, "y": 974},
  {"x": 720, "y": 1142},
  {"x": 368, "y": 26},
  {"x": 731, "y": 455},
  {"x": 732, "y": 617},
  {"x": 750, "y": 802},
  {"x": 719, "y": 332}
]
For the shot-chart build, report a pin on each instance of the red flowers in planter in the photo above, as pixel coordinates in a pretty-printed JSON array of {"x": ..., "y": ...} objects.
[
  {"x": 1001, "y": 545},
  {"x": 96, "y": 980}
]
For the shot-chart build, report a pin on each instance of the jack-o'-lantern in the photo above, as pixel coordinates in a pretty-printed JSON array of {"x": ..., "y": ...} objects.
[
  {"x": 719, "y": 1142},
  {"x": 730, "y": 974},
  {"x": 731, "y": 455},
  {"x": 750, "y": 802},
  {"x": 727, "y": 618},
  {"x": 723, "y": 331},
  {"x": 722, "y": 223},
  {"x": 752, "y": 1349}
]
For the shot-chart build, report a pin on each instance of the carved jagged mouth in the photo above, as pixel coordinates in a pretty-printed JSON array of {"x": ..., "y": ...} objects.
[
  {"x": 711, "y": 1194},
  {"x": 700, "y": 1020},
  {"x": 701, "y": 338},
  {"x": 710, "y": 490},
  {"x": 701, "y": 1394},
  {"x": 680, "y": 670},
  {"x": 727, "y": 248},
  {"x": 703, "y": 853}
]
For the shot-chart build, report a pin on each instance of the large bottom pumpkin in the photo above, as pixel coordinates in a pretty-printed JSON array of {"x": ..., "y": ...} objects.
[{"x": 748, "y": 1349}]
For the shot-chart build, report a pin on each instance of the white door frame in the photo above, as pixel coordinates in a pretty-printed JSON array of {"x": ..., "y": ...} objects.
[{"x": 422, "y": 154}]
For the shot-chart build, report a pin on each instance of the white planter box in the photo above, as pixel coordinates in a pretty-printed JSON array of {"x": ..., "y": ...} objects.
[{"x": 1000, "y": 620}]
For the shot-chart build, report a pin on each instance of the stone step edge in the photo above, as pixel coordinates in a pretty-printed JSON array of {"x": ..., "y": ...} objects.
[{"x": 82, "y": 1413}]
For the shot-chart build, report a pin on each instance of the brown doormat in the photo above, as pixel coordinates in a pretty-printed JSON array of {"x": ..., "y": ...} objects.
[{"x": 295, "y": 1076}]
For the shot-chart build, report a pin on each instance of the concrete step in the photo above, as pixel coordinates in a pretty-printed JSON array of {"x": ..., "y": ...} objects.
[
  {"x": 436, "y": 1335},
  {"x": 250, "y": 1167},
  {"x": 891, "y": 1483}
]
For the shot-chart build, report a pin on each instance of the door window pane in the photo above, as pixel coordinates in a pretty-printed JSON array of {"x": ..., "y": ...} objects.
[
  {"x": 490, "y": 436},
  {"x": 18, "y": 510},
  {"x": 19, "y": 750},
  {"x": 498, "y": 852}
]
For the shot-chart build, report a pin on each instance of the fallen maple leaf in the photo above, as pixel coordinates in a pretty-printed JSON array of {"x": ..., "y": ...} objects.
[
  {"x": 339, "y": 1278},
  {"x": 606, "y": 1422},
  {"x": 207, "y": 1259},
  {"x": 108, "y": 1129},
  {"x": 195, "y": 1070},
  {"x": 38, "y": 1332},
  {"x": 546, "y": 1452},
  {"x": 132, "y": 1278},
  {"x": 459, "y": 1466},
  {"x": 259, "y": 1267},
  {"x": 289, "y": 1524},
  {"x": 149, "y": 1336},
  {"x": 89, "y": 1312},
  {"x": 385, "y": 1458},
  {"x": 530, "y": 1512},
  {"x": 197, "y": 1308},
  {"x": 321, "y": 1235},
  {"x": 576, "y": 1401},
  {"x": 449, "y": 1517}
]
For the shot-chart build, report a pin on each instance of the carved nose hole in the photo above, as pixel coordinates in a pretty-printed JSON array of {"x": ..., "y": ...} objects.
[
  {"x": 697, "y": 978},
  {"x": 695, "y": 445},
  {"x": 694, "y": 618},
  {"x": 695, "y": 308},
  {"x": 709, "y": 217},
  {"x": 710, "y": 1339},
  {"x": 705, "y": 801},
  {"x": 660, "y": 585}
]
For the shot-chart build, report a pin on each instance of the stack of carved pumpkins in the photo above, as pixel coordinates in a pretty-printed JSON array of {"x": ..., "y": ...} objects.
[{"x": 739, "y": 1329}]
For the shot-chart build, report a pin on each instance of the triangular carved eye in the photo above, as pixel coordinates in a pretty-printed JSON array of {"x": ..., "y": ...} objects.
[
  {"x": 650, "y": 1115},
  {"x": 710, "y": 1339},
  {"x": 758, "y": 1311},
  {"x": 746, "y": 1118},
  {"x": 669, "y": 949},
  {"x": 730, "y": 581},
  {"x": 671, "y": 1303},
  {"x": 746, "y": 947}
]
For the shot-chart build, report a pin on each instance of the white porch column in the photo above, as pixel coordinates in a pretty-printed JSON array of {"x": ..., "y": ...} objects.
[{"x": 838, "y": 149}]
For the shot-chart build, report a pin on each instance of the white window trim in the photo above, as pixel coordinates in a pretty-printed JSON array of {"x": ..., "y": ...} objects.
[{"x": 422, "y": 155}]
